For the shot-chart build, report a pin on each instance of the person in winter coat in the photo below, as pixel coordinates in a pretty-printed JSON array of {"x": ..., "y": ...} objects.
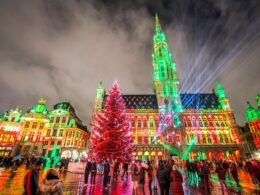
[
  {"x": 111, "y": 171},
  {"x": 87, "y": 170},
  {"x": 164, "y": 178},
  {"x": 233, "y": 170},
  {"x": 106, "y": 174},
  {"x": 177, "y": 180},
  {"x": 222, "y": 177},
  {"x": 93, "y": 171},
  {"x": 52, "y": 185},
  {"x": 125, "y": 167},
  {"x": 134, "y": 175},
  {"x": 31, "y": 179},
  {"x": 256, "y": 169},
  {"x": 141, "y": 178},
  {"x": 151, "y": 175},
  {"x": 116, "y": 169},
  {"x": 251, "y": 171}
]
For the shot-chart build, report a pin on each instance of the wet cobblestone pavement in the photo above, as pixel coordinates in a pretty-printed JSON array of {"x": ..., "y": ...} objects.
[{"x": 11, "y": 183}]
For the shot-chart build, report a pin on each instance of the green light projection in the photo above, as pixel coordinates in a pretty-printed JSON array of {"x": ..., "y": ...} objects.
[
  {"x": 252, "y": 113},
  {"x": 165, "y": 78}
]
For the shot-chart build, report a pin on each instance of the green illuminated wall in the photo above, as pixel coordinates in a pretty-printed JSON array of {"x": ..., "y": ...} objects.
[
  {"x": 251, "y": 112},
  {"x": 222, "y": 98}
]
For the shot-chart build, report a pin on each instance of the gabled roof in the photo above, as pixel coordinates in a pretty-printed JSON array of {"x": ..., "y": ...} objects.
[
  {"x": 199, "y": 100},
  {"x": 189, "y": 101},
  {"x": 139, "y": 101},
  {"x": 68, "y": 107}
]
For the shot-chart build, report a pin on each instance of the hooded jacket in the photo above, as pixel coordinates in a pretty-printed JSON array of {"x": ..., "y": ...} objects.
[{"x": 52, "y": 185}]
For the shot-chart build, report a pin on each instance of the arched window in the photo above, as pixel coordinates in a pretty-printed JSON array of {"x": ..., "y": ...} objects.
[
  {"x": 221, "y": 138},
  {"x": 171, "y": 90},
  {"x": 208, "y": 138},
  {"x": 151, "y": 122},
  {"x": 145, "y": 123},
  {"x": 160, "y": 52},
  {"x": 204, "y": 138},
  {"x": 164, "y": 91},
  {"x": 162, "y": 72},
  {"x": 191, "y": 138},
  {"x": 139, "y": 123}
]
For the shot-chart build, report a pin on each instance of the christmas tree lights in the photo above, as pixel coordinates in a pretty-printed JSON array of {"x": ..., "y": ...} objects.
[{"x": 111, "y": 136}]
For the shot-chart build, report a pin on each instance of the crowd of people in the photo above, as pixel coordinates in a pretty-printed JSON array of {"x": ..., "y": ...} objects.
[
  {"x": 199, "y": 172},
  {"x": 162, "y": 176},
  {"x": 15, "y": 162}
]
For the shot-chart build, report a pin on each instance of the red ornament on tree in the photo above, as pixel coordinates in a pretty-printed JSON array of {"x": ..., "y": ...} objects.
[{"x": 111, "y": 136}]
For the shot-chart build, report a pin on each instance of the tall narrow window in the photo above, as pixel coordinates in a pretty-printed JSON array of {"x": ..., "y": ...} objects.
[
  {"x": 133, "y": 124},
  {"x": 139, "y": 123},
  {"x": 27, "y": 124},
  {"x": 145, "y": 123},
  {"x": 139, "y": 140},
  {"x": 41, "y": 126},
  {"x": 34, "y": 125},
  {"x": 162, "y": 72},
  {"x": 145, "y": 140},
  {"x": 151, "y": 123},
  {"x": 171, "y": 90},
  {"x": 54, "y": 133},
  {"x": 63, "y": 119},
  {"x": 58, "y": 119}
]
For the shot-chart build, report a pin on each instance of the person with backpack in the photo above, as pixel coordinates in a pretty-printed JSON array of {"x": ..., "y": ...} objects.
[
  {"x": 134, "y": 175},
  {"x": 52, "y": 185},
  {"x": 31, "y": 179}
]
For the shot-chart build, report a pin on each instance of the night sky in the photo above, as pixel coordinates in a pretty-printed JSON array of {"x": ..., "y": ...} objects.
[{"x": 61, "y": 49}]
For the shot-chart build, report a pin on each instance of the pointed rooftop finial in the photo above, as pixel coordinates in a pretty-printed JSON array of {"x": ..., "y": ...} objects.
[
  {"x": 42, "y": 101},
  {"x": 218, "y": 85},
  {"x": 100, "y": 85},
  {"x": 158, "y": 28}
]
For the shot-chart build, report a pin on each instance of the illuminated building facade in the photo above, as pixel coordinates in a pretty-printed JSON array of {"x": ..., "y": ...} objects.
[
  {"x": 253, "y": 121},
  {"x": 31, "y": 136},
  {"x": 193, "y": 125},
  {"x": 247, "y": 142},
  {"x": 10, "y": 126},
  {"x": 39, "y": 132},
  {"x": 65, "y": 136}
]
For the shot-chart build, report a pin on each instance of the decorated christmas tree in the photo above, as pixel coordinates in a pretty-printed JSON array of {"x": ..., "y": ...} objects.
[{"x": 111, "y": 136}]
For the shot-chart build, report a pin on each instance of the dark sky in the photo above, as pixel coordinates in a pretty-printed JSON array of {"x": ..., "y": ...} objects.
[{"x": 61, "y": 49}]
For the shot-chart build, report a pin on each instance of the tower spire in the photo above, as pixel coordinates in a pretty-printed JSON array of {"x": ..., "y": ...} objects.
[
  {"x": 158, "y": 28},
  {"x": 166, "y": 83}
]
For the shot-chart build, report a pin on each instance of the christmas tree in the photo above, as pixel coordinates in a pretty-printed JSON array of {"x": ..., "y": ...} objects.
[{"x": 111, "y": 136}]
